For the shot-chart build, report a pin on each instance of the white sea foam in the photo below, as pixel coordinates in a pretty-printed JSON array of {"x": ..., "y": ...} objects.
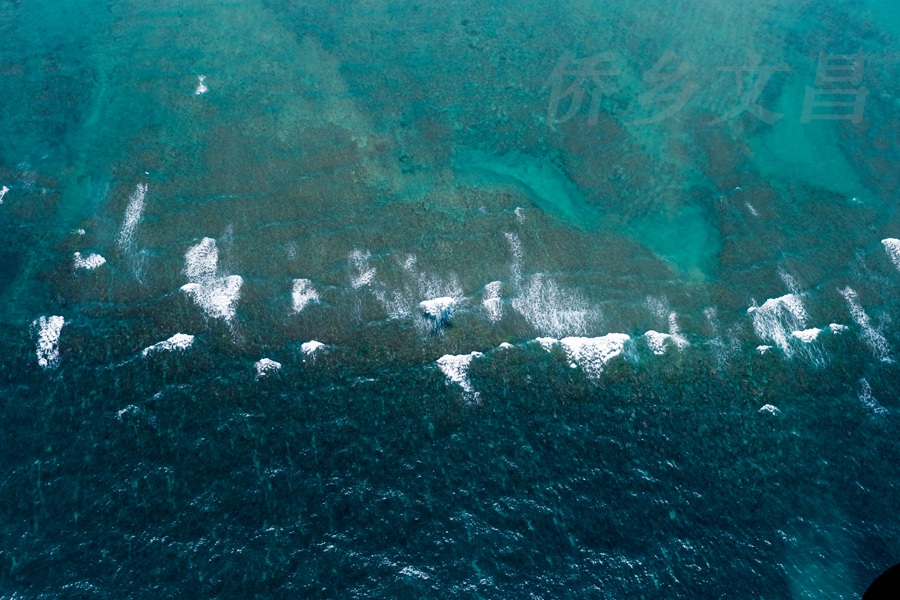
[
  {"x": 870, "y": 335},
  {"x": 789, "y": 281},
  {"x": 78, "y": 232},
  {"x": 266, "y": 366},
  {"x": 658, "y": 306},
  {"x": 520, "y": 214},
  {"x": 438, "y": 310},
  {"x": 179, "y": 341},
  {"x": 89, "y": 262},
  {"x": 311, "y": 347},
  {"x": 415, "y": 288},
  {"x": 505, "y": 345},
  {"x": 763, "y": 349},
  {"x": 549, "y": 308},
  {"x": 547, "y": 343},
  {"x": 769, "y": 409},
  {"x": 892, "y": 247},
  {"x": 429, "y": 285},
  {"x": 866, "y": 397},
  {"x": 553, "y": 310},
  {"x": 723, "y": 350},
  {"x": 216, "y": 295},
  {"x": 47, "y": 348},
  {"x": 518, "y": 258},
  {"x": 202, "y": 261},
  {"x": 133, "y": 213},
  {"x": 776, "y": 318},
  {"x": 837, "y": 328},
  {"x": 657, "y": 342},
  {"x": 493, "y": 303},
  {"x": 675, "y": 333},
  {"x": 365, "y": 274},
  {"x": 805, "y": 344},
  {"x": 397, "y": 304},
  {"x": 807, "y": 335},
  {"x": 592, "y": 354},
  {"x": 3, "y": 191},
  {"x": 303, "y": 294},
  {"x": 201, "y": 85},
  {"x": 456, "y": 369},
  {"x": 751, "y": 209}
]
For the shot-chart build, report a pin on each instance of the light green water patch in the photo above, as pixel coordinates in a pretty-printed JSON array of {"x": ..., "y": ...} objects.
[
  {"x": 683, "y": 237},
  {"x": 543, "y": 183},
  {"x": 806, "y": 152},
  {"x": 679, "y": 234},
  {"x": 885, "y": 14}
]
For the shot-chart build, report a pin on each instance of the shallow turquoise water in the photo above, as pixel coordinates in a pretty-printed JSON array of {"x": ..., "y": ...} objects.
[{"x": 348, "y": 161}]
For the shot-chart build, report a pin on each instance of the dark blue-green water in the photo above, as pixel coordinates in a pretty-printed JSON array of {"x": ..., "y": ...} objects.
[{"x": 449, "y": 300}]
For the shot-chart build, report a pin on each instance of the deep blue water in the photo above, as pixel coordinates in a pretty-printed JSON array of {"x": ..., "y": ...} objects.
[{"x": 535, "y": 300}]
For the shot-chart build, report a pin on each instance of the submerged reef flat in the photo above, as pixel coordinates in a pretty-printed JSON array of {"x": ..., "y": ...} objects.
[{"x": 449, "y": 300}]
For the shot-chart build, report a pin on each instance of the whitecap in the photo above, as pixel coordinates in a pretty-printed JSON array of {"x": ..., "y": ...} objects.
[
  {"x": 3, "y": 191},
  {"x": 837, "y": 328},
  {"x": 520, "y": 214},
  {"x": 303, "y": 294},
  {"x": 892, "y": 247},
  {"x": 201, "y": 85},
  {"x": 456, "y": 369},
  {"x": 763, "y": 349},
  {"x": 776, "y": 318},
  {"x": 807, "y": 335},
  {"x": 216, "y": 295},
  {"x": 266, "y": 366},
  {"x": 769, "y": 409},
  {"x": 47, "y": 349},
  {"x": 592, "y": 354},
  {"x": 179, "y": 341},
  {"x": 311, "y": 347},
  {"x": 657, "y": 342},
  {"x": 438, "y": 310},
  {"x": 89, "y": 262}
]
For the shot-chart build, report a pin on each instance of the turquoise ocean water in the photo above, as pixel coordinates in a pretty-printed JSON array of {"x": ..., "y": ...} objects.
[{"x": 422, "y": 300}]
